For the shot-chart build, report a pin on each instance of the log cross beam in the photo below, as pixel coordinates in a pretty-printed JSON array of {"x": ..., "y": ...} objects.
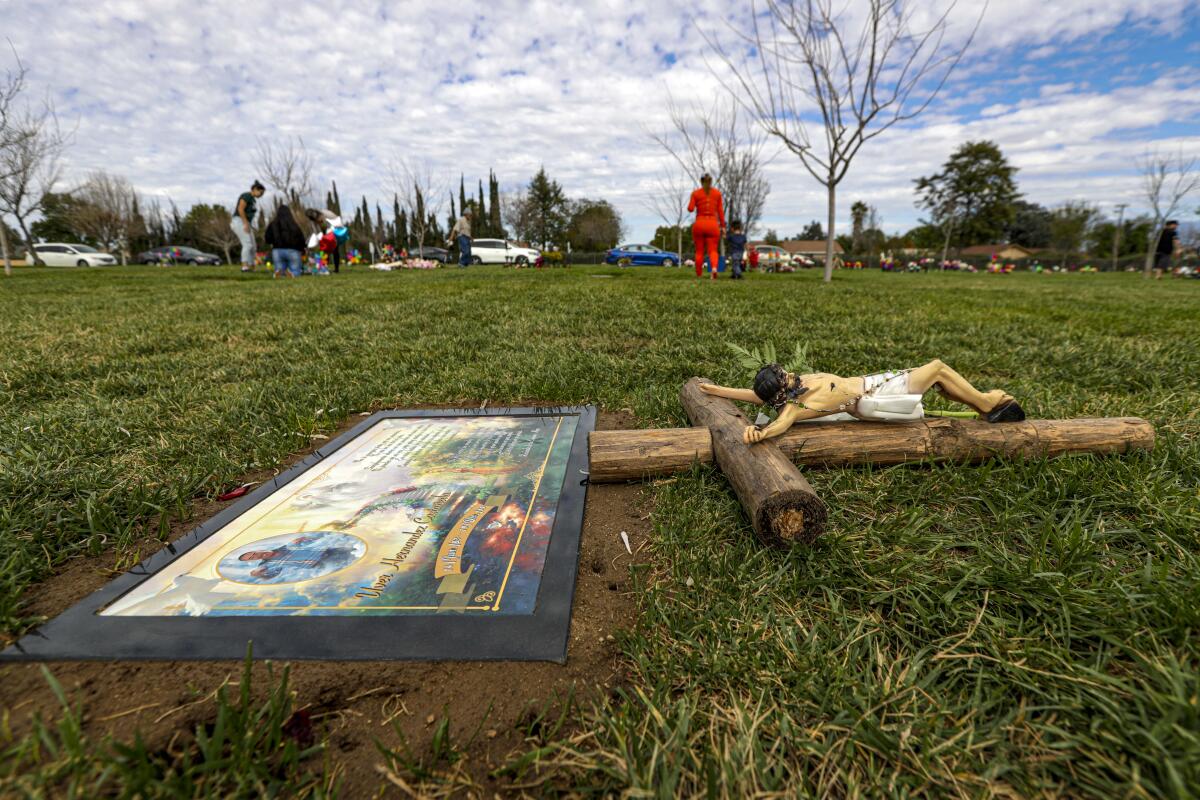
[{"x": 782, "y": 506}]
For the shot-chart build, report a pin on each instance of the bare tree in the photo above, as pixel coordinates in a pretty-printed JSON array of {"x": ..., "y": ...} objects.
[
  {"x": 11, "y": 88},
  {"x": 420, "y": 194},
  {"x": 804, "y": 54},
  {"x": 31, "y": 145},
  {"x": 155, "y": 227},
  {"x": 287, "y": 168},
  {"x": 517, "y": 213},
  {"x": 215, "y": 230},
  {"x": 30, "y": 163},
  {"x": 716, "y": 140},
  {"x": 1166, "y": 183},
  {"x": 668, "y": 200},
  {"x": 105, "y": 210}
]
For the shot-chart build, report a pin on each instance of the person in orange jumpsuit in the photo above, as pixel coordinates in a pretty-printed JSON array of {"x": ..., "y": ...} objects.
[{"x": 710, "y": 224}]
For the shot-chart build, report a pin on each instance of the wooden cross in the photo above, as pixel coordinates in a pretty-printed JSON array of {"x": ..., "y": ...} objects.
[{"x": 782, "y": 506}]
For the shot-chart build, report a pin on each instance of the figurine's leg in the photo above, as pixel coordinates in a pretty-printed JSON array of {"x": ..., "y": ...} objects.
[{"x": 936, "y": 375}]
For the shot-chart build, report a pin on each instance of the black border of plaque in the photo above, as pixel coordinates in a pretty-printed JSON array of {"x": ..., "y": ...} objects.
[{"x": 80, "y": 633}]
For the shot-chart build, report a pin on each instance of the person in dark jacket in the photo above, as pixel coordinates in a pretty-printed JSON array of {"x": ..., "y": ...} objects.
[
  {"x": 1168, "y": 246},
  {"x": 735, "y": 242},
  {"x": 286, "y": 241}
]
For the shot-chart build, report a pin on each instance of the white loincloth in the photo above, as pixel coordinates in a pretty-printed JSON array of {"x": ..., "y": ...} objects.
[{"x": 886, "y": 398}]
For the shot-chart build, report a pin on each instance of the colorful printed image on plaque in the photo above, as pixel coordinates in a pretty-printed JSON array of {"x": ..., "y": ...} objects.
[{"x": 415, "y": 515}]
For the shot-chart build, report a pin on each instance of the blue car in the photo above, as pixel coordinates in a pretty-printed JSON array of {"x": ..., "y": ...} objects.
[{"x": 645, "y": 254}]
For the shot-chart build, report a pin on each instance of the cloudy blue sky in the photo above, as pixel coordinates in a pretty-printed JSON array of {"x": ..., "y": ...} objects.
[{"x": 173, "y": 94}]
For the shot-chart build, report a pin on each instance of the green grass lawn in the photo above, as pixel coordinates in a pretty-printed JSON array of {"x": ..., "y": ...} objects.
[{"x": 1017, "y": 628}]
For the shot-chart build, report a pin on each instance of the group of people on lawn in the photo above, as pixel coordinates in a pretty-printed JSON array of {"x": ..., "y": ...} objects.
[
  {"x": 285, "y": 238},
  {"x": 288, "y": 243}
]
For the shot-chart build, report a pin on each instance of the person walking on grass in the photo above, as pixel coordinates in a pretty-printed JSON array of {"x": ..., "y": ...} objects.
[
  {"x": 461, "y": 233},
  {"x": 1168, "y": 246},
  {"x": 710, "y": 224},
  {"x": 735, "y": 243},
  {"x": 243, "y": 222},
  {"x": 286, "y": 241}
]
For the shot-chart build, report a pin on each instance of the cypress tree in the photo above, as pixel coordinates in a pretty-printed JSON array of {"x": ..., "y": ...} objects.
[
  {"x": 399, "y": 224},
  {"x": 462, "y": 195},
  {"x": 494, "y": 204},
  {"x": 419, "y": 211},
  {"x": 336, "y": 206},
  {"x": 481, "y": 214},
  {"x": 366, "y": 217}
]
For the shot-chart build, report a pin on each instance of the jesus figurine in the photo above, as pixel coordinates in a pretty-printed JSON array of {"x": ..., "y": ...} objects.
[{"x": 884, "y": 396}]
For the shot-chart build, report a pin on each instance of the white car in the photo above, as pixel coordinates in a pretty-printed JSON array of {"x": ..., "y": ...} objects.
[
  {"x": 772, "y": 257},
  {"x": 54, "y": 254},
  {"x": 499, "y": 251}
]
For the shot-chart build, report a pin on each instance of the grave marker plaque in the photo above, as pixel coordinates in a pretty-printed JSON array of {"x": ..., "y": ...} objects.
[{"x": 450, "y": 534}]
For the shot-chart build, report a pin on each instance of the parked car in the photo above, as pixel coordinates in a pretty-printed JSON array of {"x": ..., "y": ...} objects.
[
  {"x": 643, "y": 254},
  {"x": 56, "y": 254},
  {"x": 500, "y": 251},
  {"x": 175, "y": 254},
  {"x": 431, "y": 253},
  {"x": 773, "y": 258}
]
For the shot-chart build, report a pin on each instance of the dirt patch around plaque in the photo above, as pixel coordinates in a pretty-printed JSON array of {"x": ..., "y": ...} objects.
[{"x": 491, "y": 706}]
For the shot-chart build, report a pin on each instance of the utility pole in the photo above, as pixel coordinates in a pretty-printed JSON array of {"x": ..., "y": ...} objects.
[{"x": 1117, "y": 233}]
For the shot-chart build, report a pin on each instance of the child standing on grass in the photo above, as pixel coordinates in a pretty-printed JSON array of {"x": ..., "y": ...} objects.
[{"x": 735, "y": 240}]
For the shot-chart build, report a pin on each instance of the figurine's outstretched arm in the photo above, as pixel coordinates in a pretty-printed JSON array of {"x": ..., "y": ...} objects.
[
  {"x": 788, "y": 415},
  {"x": 745, "y": 395}
]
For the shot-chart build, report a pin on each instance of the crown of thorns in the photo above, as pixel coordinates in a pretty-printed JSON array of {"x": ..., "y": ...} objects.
[{"x": 785, "y": 394}]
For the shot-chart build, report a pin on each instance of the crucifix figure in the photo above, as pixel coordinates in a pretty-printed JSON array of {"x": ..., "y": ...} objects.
[
  {"x": 880, "y": 397},
  {"x": 873, "y": 419}
]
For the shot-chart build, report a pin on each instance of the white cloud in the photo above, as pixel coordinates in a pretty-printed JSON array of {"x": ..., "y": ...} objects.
[{"x": 172, "y": 94}]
